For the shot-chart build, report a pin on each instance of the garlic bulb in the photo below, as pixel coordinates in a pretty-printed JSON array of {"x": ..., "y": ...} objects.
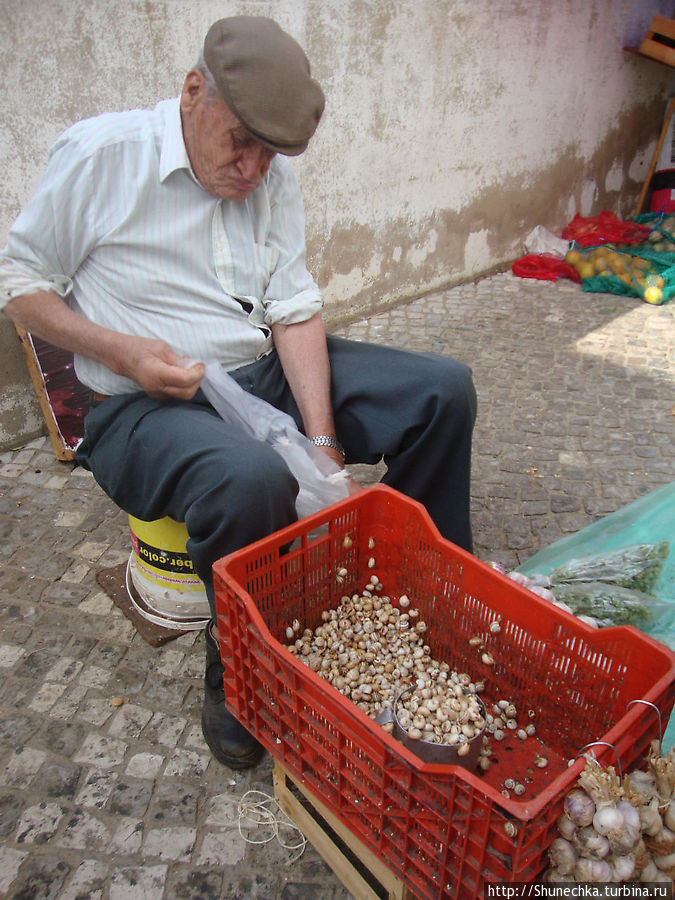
[
  {"x": 623, "y": 868},
  {"x": 624, "y": 838},
  {"x": 607, "y": 819},
  {"x": 596, "y": 870},
  {"x": 589, "y": 620},
  {"x": 669, "y": 816},
  {"x": 650, "y": 873},
  {"x": 614, "y": 818},
  {"x": 590, "y": 844},
  {"x": 663, "y": 843},
  {"x": 640, "y": 854},
  {"x": 579, "y": 807},
  {"x": 519, "y": 578},
  {"x": 631, "y": 815},
  {"x": 563, "y": 856},
  {"x": 662, "y": 770},
  {"x": 553, "y": 876},
  {"x": 566, "y": 826},
  {"x": 650, "y": 818},
  {"x": 642, "y": 783},
  {"x": 665, "y": 862},
  {"x": 565, "y": 606},
  {"x": 623, "y": 841}
]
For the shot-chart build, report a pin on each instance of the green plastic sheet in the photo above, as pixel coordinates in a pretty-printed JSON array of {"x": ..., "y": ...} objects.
[{"x": 650, "y": 520}]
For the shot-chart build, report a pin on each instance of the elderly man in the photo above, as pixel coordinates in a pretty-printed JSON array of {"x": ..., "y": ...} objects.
[{"x": 158, "y": 236}]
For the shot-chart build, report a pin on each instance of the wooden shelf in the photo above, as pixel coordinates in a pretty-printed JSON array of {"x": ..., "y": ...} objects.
[
  {"x": 658, "y": 43},
  {"x": 658, "y": 46}
]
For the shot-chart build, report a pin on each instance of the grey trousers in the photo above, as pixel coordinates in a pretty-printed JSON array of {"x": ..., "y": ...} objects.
[{"x": 180, "y": 459}]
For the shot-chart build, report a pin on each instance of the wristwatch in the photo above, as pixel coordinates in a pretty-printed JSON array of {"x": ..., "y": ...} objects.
[{"x": 325, "y": 440}]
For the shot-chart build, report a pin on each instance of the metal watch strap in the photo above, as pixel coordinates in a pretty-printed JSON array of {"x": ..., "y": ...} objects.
[{"x": 325, "y": 440}]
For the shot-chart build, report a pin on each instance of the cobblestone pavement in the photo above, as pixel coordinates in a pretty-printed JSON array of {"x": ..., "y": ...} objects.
[{"x": 106, "y": 802}]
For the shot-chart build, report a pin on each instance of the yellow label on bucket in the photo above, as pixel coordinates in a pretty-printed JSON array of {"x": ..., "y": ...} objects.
[
  {"x": 160, "y": 551},
  {"x": 161, "y": 580}
]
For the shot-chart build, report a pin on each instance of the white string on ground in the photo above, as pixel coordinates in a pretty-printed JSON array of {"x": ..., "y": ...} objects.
[{"x": 258, "y": 809}]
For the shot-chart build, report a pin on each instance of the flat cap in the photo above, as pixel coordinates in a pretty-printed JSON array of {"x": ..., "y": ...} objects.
[{"x": 264, "y": 77}]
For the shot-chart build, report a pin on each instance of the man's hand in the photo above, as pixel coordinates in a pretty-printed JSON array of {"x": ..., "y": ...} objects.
[
  {"x": 159, "y": 370},
  {"x": 334, "y": 456}
]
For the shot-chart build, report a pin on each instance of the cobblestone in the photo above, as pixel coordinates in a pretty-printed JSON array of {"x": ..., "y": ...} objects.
[{"x": 125, "y": 802}]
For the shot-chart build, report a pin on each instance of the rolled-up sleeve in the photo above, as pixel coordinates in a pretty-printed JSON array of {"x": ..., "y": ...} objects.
[
  {"x": 292, "y": 294},
  {"x": 53, "y": 233}
]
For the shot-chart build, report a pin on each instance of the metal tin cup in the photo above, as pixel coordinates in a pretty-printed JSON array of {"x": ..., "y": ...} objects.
[{"x": 431, "y": 751}]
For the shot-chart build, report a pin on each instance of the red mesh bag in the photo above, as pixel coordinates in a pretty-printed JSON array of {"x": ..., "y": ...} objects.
[
  {"x": 544, "y": 267},
  {"x": 605, "y": 228}
]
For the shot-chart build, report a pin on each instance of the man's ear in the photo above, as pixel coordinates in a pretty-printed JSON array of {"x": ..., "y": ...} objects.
[{"x": 193, "y": 86}]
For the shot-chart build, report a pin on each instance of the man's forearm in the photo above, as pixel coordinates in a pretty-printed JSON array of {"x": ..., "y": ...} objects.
[
  {"x": 47, "y": 316},
  {"x": 304, "y": 358}
]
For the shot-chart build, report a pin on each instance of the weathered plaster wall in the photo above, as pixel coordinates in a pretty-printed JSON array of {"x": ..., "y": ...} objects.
[
  {"x": 452, "y": 127},
  {"x": 20, "y": 416},
  {"x": 462, "y": 125}
]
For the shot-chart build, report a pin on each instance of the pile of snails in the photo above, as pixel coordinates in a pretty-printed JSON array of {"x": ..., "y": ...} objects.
[
  {"x": 371, "y": 647},
  {"x": 439, "y": 711},
  {"x": 618, "y": 830}
]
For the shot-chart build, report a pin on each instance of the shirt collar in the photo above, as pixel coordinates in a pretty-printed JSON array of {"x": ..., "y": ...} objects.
[{"x": 173, "y": 154}]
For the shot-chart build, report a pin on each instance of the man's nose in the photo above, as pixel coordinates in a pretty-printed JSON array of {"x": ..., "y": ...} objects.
[{"x": 255, "y": 161}]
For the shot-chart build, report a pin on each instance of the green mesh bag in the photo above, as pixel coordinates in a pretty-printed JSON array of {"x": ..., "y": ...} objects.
[
  {"x": 610, "y": 284},
  {"x": 658, "y": 282}
]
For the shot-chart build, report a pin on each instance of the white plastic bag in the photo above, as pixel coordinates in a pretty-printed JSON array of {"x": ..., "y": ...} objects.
[
  {"x": 541, "y": 240},
  {"x": 321, "y": 481}
]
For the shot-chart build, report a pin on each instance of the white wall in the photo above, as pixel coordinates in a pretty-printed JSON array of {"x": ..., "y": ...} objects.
[{"x": 452, "y": 127}]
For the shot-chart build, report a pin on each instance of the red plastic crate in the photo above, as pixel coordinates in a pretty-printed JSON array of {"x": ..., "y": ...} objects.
[{"x": 441, "y": 829}]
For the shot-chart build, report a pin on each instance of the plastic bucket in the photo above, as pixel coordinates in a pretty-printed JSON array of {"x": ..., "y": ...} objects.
[{"x": 167, "y": 591}]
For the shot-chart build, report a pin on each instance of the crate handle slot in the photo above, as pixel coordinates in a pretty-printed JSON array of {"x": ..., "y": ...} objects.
[
  {"x": 658, "y": 713},
  {"x": 605, "y": 744}
]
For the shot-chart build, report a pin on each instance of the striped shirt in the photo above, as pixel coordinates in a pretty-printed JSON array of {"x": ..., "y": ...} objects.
[{"x": 120, "y": 228}]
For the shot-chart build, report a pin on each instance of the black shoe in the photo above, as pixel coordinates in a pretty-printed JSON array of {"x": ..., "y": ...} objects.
[{"x": 228, "y": 740}]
